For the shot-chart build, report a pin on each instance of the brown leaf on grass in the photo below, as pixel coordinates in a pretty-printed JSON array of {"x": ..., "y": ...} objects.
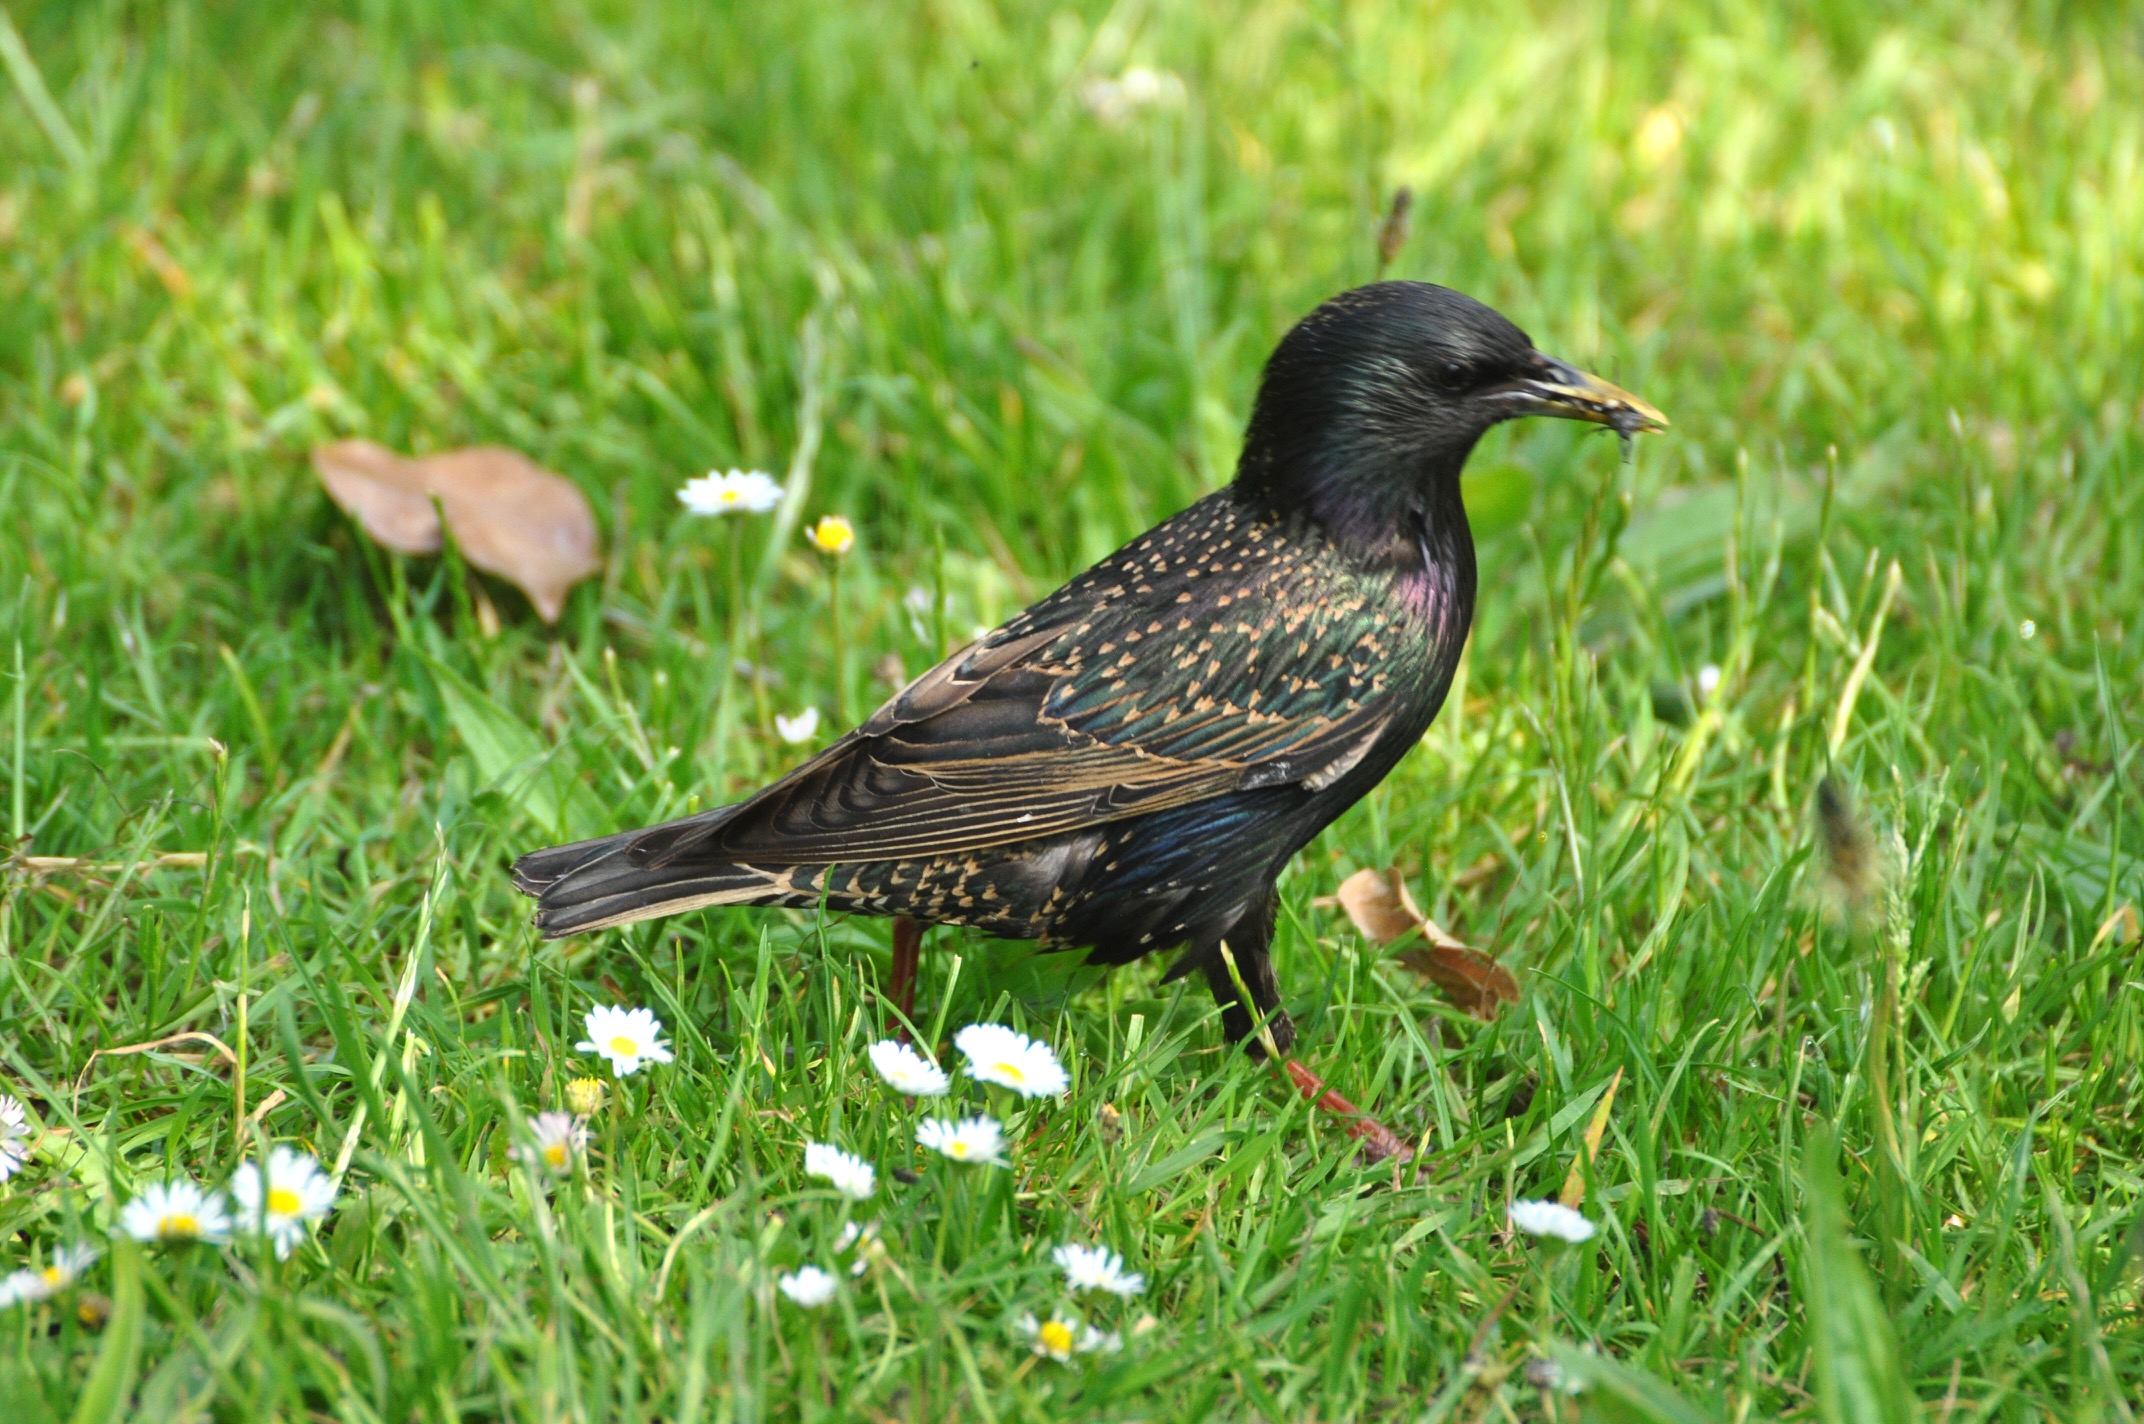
[
  {"x": 1386, "y": 914},
  {"x": 510, "y": 516}
]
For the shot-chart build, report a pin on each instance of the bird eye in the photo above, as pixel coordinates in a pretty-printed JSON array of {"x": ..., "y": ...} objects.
[{"x": 1458, "y": 374}]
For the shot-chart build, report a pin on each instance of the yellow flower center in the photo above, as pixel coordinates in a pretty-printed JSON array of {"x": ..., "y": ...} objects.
[
  {"x": 1012, "y": 1071},
  {"x": 555, "y": 1154},
  {"x": 624, "y": 1047},
  {"x": 282, "y": 1201},
  {"x": 729, "y": 496},
  {"x": 178, "y": 1226},
  {"x": 956, "y": 1148},
  {"x": 1056, "y": 1337},
  {"x": 53, "y": 1276}
]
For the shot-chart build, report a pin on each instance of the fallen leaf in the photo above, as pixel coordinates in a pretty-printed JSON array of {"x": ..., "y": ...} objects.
[
  {"x": 1469, "y": 978},
  {"x": 1381, "y": 908},
  {"x": 510, "y": 516}
]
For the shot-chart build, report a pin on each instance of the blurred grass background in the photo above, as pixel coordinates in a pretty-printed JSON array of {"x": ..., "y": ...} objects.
[{"x": 1883, "y": 265}]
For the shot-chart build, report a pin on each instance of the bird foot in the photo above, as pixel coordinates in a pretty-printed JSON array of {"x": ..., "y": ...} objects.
[{"x": 1379, "y": 1143}]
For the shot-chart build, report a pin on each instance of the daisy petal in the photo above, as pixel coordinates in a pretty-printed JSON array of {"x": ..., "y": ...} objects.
[
  {"x": 627, "y": 1038},
  {"x": 809, "y": 1286},
  {"x": 847, "y": 1173},
  {"x": 972, "y": 1139},
  {"x": 997, "y": 1054},
  {"x": 907, "y": 1071},
  {"x": 1553, "y": 1219},
  {"x": 1097, "y": 1268}
]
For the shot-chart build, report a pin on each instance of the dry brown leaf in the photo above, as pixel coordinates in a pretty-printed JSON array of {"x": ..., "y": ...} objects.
[
  {"x": 1386, "y": 914},
  {"x": 382, "y": 492},
  {"x": 1468, "y": 977},
  {"x": 510, "y": 516}
]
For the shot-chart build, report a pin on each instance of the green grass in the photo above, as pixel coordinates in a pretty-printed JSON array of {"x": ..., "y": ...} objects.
[{"x": 1881, "y": 265}]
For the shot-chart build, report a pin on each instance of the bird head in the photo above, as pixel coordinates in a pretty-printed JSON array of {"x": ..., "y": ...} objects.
[{"x": 1370, "y": 406}]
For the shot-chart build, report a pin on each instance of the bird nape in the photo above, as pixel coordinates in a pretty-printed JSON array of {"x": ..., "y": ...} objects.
[{"x": 1127, "y": 765}]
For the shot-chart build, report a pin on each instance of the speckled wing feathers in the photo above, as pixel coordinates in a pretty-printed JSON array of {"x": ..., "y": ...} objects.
[
  {"x": 1222, "y": 636},
  {"x": 1174, "y": 671},
  {"x": 1220, "y": 652}
]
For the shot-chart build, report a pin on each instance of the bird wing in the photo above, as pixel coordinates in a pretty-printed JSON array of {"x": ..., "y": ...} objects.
[{"x": 1135, "y": 689}]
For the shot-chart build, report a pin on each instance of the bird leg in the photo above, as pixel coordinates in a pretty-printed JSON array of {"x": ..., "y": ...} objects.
[
  {"x": 1247, "y": 981},
  {"x": 1378, "y": 1141},
  {"x": 907, "y": 955}
]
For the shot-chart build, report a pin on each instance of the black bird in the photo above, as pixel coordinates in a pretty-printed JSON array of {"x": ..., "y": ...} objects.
[{"x": 1127, "y": 765}]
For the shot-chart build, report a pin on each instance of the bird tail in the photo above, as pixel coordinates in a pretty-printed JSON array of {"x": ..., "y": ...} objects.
[{"x": 640, "y": 875}]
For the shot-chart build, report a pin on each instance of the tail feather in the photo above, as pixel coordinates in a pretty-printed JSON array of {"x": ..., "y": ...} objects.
[
  {"x": 540, "y": 869},
  {"x": 593, "y": 884}
]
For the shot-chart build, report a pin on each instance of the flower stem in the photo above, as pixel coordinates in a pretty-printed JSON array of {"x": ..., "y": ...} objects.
[{"x": 842, "y": 699}]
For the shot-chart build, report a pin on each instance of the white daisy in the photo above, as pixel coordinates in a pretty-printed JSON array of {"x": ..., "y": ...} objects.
[
  {"x": 1547, "y": 1218},
  {"x": 29, "y": 1285},
  {"x": 1064, "y": 1335},
  {"x": 809, "y": 1286},
  {"x": 832, "y": 536},
  {"x": 996, "y": 1054},
  {"x": 283, "y": 1206},
  {"x": 14, "y": 1136},
  {"x": 1708, "y": 678},
  {"x": 907, "y": 1071},
  {"x": 627, "y": 1037},
  {"x": 731, "y": 492},
  {"x": 849, "y": 1174},
  {"x": 1097, "y": 1268},
  {"x": 865, "y": 1238},
  {"x": 972, "y": 1139},
  {"x": 555, "y": 1139},
  {"x": 176, "y": 1211},
  {"x": 798, "y": 729}
]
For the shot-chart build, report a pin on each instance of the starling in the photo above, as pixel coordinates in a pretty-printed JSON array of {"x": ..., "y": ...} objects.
[{"x": 1127, "y": 765}]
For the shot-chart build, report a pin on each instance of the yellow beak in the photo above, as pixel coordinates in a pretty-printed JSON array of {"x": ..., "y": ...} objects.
[{"x": 1561, "y": 389}]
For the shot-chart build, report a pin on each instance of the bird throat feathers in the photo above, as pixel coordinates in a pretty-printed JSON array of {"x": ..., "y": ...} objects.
[{"x": 1384, "y": 510}]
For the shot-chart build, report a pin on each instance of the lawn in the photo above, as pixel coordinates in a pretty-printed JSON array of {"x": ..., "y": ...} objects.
[{"x": 994, "y": 281}]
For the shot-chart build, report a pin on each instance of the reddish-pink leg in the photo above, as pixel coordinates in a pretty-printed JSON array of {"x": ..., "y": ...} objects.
[
  {"x": 907, "y": 954},
  {"x": 1378, "y": 1141}
]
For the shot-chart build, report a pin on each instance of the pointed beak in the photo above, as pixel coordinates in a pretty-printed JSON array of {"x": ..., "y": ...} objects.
[{"x": 1561, "y": 389}]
